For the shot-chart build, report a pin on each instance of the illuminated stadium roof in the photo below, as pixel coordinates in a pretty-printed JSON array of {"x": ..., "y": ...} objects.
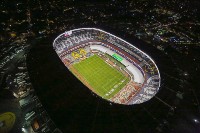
[{"x": 110, "y": 67}]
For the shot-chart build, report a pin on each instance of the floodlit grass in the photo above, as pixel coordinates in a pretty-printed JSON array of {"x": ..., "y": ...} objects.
[{"x": 105, "y": 80}]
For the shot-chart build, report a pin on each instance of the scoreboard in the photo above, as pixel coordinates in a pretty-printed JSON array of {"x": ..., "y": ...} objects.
[{"x": 117, "y": 57}]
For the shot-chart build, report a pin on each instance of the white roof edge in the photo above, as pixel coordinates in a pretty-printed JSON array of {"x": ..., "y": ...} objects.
[{"x": 117, "y": 38}]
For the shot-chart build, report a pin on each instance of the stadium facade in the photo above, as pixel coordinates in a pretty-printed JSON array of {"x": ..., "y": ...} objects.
[{"x": 108, "y": 65}]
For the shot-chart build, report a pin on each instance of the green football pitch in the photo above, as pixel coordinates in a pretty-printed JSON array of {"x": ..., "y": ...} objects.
[{"x": 104, "y": 79}]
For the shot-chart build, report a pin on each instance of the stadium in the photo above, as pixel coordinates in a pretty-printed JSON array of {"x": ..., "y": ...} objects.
[{"x": 110, "y": 67}]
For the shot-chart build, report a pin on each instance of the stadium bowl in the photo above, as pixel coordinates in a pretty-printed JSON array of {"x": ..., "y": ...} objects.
[{"x": 109, "y": 66}]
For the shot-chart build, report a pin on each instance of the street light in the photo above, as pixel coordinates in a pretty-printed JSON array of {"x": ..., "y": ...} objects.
[{"x": 196, "y": 121}]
